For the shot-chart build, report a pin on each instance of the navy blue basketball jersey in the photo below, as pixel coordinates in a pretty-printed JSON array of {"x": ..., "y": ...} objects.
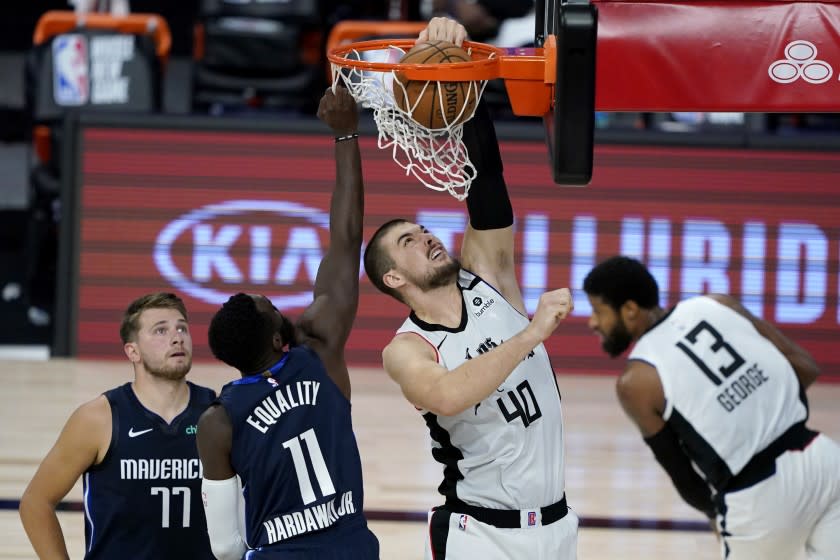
[
  {"x": 144, "y": 499},
  {"x": 294, "y": 449}
]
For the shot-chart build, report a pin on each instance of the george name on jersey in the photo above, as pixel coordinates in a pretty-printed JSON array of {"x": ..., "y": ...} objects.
[
  {"x": 285, "y": 398},
  {"x": 160, "y": 469},
  {"x": 313, "y": 518},
  {"x": 741, "y": 388}
]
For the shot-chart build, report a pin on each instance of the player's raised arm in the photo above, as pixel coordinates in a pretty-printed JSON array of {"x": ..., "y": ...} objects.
[
  {"x": 487, "y": 249},
  {"x": 327, "y": 321}
]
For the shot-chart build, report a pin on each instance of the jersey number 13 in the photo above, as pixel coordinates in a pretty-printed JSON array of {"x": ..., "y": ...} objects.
[{"x": 718, "y": 345}]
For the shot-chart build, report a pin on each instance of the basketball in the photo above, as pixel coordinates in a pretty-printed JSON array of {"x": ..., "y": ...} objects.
[{"x": 435, "y": 104}]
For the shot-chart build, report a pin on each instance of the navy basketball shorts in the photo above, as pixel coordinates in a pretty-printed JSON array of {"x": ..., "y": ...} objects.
[{"x": 359, "y": 544}]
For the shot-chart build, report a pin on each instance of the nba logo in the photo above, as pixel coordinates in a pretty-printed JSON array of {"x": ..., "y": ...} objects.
[
  {"x": 532, "y": 518},
  {"x": 71, "y": 82},
  {"x": 462, "y": 522}
]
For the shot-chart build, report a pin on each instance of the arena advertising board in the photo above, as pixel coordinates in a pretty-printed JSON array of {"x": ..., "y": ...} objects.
[{"x": 207, "y": 214}]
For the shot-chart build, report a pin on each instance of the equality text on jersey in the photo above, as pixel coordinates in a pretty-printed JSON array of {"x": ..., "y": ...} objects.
[{"x": 283, "y": 399}]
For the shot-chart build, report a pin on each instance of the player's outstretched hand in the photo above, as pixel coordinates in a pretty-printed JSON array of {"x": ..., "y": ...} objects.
[
  {"x": 443, "y": 29},
  {"x": 339, "y": 111},
  {"x": 553, "y": 307}
]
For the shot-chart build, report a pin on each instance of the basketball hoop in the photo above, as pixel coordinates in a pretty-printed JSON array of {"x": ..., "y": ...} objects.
[{"x": 437, "y": 157}]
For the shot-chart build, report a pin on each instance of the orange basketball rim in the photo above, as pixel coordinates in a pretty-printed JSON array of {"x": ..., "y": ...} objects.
[{"x": 529, "y": 73}]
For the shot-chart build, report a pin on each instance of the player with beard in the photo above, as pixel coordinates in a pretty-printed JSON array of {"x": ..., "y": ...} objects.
[
  {"x": 474, "y": 365},
  {"x": 135, "y": 447},
  {"x": 719, "y": 396}
]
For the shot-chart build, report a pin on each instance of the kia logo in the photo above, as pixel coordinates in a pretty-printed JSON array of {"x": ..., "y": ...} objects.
[{"x": 213, "y": 231}]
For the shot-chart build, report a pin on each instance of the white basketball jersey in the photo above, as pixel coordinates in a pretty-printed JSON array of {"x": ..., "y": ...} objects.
[
  {"x": 729, "y": 391},
  {"x": 505, "y": 452}
]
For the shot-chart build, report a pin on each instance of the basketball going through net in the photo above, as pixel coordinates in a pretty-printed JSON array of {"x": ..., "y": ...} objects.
[
  {"x": 421, "y": 96},
  {"x": 435, "y": 105}
]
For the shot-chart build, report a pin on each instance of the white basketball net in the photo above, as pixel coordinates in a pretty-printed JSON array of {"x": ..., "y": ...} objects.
[{"x": 436, "y": 157}]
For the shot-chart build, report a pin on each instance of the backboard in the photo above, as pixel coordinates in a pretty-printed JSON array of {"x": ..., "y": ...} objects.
[{"x": 572, "y": 26}]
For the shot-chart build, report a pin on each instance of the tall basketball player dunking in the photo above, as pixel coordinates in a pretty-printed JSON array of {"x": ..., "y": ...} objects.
[
  {"x": 472, "y": 362},
  {"x": 285, "y": 429},
  {"x": 719, "y": 396},
  {"x": 135, "y": 448}
]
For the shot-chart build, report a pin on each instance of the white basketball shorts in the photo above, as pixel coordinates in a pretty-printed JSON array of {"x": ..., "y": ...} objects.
[
  {"x": 460, "y": 536},
  {"x": 793, "y": 514}
]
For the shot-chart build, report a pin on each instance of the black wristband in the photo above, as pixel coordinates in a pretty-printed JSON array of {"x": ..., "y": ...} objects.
[
  {"x": 488, "y": 203},
  {"x": 348, "y": 137}
]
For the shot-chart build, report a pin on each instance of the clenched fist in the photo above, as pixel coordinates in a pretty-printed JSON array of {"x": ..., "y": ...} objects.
[{"x": 554, "y": 306}]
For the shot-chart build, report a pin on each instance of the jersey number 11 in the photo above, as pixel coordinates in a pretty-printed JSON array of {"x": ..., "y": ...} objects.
[{"x": 322, "y": 475}]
